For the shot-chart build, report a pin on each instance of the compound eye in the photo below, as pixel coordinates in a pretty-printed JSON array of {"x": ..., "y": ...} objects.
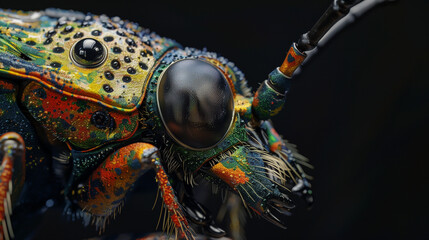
[
  {"x": 88, "y": 53},
  {"x": 196, "y": 103},
  {"x": 102, "y": 120}
]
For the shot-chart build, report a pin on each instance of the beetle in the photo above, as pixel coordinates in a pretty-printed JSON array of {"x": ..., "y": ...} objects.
[{"x": 99, "y": 101}]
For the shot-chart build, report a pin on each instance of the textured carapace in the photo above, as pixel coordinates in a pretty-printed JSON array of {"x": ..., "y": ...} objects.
[{"x": 90, "y": 103}]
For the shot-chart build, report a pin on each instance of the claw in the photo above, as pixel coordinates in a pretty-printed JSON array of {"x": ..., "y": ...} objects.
[
  {"x": 214, "y": 231},
  {"x": 282, "y": 202},
  {"x": 200, "y": 215},
  {"x": 273, "y": 219},
  {"x": 303, "y": 189},
  {"x": 194, "y": 211},
  {"x": 282, "y": 206}
]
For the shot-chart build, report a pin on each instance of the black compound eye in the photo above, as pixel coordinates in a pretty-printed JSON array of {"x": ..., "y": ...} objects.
[
  {"x": 102, "y": 120},
  {"x": 196, "y": 103},
  {"x": 88, "y": 53}
]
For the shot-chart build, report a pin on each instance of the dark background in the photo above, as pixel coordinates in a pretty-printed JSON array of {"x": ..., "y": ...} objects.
[{"x": 358, "y": 110}]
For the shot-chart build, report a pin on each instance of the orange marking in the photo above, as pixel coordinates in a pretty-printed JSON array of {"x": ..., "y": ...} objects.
[
  {"x": 170, "y": 201},
  {"x": 232, "y": 177},
  {"x": 292, "y": 61}
]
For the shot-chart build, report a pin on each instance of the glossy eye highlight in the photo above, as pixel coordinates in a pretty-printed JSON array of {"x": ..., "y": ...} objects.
[
  {"x": 88, "y": 53},
  {"x": 196, "y": 103}
]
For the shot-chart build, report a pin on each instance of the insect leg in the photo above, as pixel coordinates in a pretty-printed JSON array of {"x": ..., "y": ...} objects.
[
  {"x": 12, "y": 172},
  {"x": 102, "y": 194},
  {"x": 199, "y": 214},
  {"x": 302, "y": 186}
]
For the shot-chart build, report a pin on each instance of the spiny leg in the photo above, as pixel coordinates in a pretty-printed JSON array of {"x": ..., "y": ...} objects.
[
  {"x": 12, "y": 173},
  {"x": 243, "y": 172},
  {"x": 302, "y": 186},
  {"x": 102, "y": 194}
]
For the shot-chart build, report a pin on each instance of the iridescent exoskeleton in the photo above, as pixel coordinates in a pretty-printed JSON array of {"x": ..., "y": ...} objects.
[{"x": 90, "y": 103}]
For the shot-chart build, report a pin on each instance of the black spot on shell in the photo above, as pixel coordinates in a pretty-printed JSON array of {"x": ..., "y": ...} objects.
[
  {"x": 126, "y": 79},
  {"x": 55, "y": 64},
  {"x": 109, "y": 26},
  {"x": 85, "y": 24},
  {"x": 130, "y": 49},
  {"x": 60, "y": 23},
  {"x": 47, "y": 41},
  {"x": 109, "y": 75},
  {"x": 143, "y": 65},
  {"x": 107, "y": 88},
  {"x": 31, "y": 43},
  {"x": 146, "y": 41},
  {"x": 131, "y": 70},
  {"x": 146, "y": 53},
  {"x": 131, "y": 32},
  {"x": 127, "y": 59},
  {"x": 115, "y": 64},
  {"x": 50, "y": 33},
  {"x": 120, "y": 33},
  {"x": 131, "y": 42},
  {"x": 78, "y": 35},
  {"x": 96, "y": 33},
  {"x": 58, "y": 50},
  {"x": 67, "y": 29},
  {"x": 117, "y": 50},
  {"x": 108, "y": 38}
]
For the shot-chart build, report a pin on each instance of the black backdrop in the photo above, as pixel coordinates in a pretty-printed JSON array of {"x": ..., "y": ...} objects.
[{"x": 358, "y": 110}]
